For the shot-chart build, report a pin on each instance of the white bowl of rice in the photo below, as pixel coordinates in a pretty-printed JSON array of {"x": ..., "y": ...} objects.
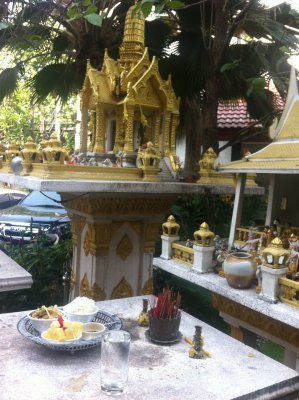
[{"x": 81, "y": 309}]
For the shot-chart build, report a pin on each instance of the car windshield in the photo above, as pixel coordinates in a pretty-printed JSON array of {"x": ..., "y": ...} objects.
[{"x": 42, "y": 199}]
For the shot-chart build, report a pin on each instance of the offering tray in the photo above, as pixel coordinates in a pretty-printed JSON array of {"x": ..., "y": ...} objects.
[{"x": 111, "y": 321}]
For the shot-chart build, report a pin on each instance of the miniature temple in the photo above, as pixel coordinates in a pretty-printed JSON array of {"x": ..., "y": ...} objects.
[{"x": 128, "y": 102}]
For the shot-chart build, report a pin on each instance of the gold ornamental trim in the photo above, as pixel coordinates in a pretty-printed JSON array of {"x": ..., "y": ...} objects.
[
  {"x": 148, "y": 287},
  {"x": 256, "y": 319},
  {"x": 124, "y": 247},
  {"x": 122, "y": 289},
  {"x": 95, "y": 292},
  {"x": 100, "y": 207}
]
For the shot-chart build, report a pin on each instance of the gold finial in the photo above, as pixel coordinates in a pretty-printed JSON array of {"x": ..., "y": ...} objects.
[
  {"x": 275, "y": 256},
  {"x": 12, "y": 151},
  {"x": 30, "y": 153},
  {"x": 204, "y": 237},
  {"x": 54, "y": 153},
  {"x": 132, "y": 47},
  {"x": 171, "y": 227}
]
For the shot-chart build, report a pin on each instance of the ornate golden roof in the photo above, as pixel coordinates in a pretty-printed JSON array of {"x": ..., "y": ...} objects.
[
  {"x": 134, "y": 78},
  {"x": 133, "y": 41},
  {"x": 282, "y": 155}
]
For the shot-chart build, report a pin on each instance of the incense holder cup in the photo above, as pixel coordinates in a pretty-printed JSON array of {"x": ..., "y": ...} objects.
[{"x": 164, "y": 330}]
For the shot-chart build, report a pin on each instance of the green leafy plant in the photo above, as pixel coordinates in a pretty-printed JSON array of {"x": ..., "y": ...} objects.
[{"x": 47, "y": 265}]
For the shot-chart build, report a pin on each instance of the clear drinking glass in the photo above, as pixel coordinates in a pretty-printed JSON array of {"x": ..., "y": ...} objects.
[{"x": 115, "y": 361}]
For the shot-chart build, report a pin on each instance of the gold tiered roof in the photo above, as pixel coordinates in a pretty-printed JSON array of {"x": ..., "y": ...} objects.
[
  {"x": 282, "y": 155},
  {"x": 131, "y": 78}
]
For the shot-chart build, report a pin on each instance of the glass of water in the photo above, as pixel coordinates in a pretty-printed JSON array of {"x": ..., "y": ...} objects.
[{"x": 115, "y": 362}]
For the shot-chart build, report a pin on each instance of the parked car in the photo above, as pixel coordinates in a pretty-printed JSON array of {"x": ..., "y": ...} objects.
[
  {"x": 39, "y": 215},
  {"x": 10, "y": 197}
]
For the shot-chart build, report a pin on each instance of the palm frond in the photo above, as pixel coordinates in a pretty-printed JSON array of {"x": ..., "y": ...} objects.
[
  {"x": 9, "y": 80},
  {"x": 59, "y": 80}
]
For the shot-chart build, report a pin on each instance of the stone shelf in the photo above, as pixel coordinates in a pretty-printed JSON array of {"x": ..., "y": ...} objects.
[
  {"x": 234, "y": 370},
  {"x": 12, "y": 275}
]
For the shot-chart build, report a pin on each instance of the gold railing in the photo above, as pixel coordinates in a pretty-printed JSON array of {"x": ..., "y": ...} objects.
[
  {"x": 183, "y": 253},
  {"x": 243, "y": 235},
  {"x": 289, "y": 291}
]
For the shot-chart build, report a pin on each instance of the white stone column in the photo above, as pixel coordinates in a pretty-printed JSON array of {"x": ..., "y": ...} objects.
[
  {"x": 270, "y": 286},
  {"x": 167, "y": 246},
  {"x": 237, "y": 211},
  {"x": 203, "y": 257}
]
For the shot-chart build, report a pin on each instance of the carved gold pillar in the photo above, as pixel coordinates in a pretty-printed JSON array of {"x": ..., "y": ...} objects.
[
  {"x": 157, "y": 130},
  {"x": 118, "y": 145},
  {"x": 174, "y": 124},
  {"x": 128, "y": 147},
  {"x": 84, "y": 127},
  {"x": 167, "y": 119},
  {"x": 97, "y": 239},
  {"x": 100, "y": 130}
]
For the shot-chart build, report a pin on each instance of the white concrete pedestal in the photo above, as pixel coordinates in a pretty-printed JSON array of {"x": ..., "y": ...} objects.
[
  {"x": 270, "y": 287},
  {"x": 203, "y": 257},
  {"x": 167, "y": 246}
]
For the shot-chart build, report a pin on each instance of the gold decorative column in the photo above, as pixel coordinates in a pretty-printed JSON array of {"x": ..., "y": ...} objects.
[
  {"x": 128, "y": 147},
  {"x": 157, "y": 126},
  {"x": 84, "y": 122},
  {"x": 100, "y": 130},
  {"x": 174, "y": 124},
  {"x": 166, "y": 132},
  {"x": 119, "y": 140}
]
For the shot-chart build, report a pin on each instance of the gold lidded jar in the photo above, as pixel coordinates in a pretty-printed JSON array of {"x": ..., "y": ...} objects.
[{"x": 239, "y": 269}]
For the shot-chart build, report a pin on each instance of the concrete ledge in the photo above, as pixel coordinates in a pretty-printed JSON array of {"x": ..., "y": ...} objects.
[
  {"x": 12, "y": 275},
  {"x": 115, "y": 187},
  {"x": 246, "y": 297}
]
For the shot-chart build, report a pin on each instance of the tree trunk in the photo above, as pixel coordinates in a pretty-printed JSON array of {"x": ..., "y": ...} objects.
[
  {"x": 193, "y": 135},
  {"x": 219, "y": 45}
]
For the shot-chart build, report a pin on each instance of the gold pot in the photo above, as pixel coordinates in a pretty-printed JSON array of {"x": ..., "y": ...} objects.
[{"x": 239, "y": 269}]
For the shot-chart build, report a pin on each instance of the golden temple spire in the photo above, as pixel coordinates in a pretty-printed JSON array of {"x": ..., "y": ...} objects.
[{"x": 132, "y": 47}]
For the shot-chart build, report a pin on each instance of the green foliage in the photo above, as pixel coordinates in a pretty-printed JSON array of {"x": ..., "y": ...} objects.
[
  {"x": 47, "y": 266},
  {"x": 254, "y": 209},
  {"x": 192, "y": 210}
]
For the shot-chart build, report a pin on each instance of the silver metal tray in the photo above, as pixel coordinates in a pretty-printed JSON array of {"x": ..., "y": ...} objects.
[{"x": 111, "y": 321}]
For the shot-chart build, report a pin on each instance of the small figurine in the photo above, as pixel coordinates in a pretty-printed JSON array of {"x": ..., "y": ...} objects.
[
  {"x": 293, "y": 261},
  {"x": 196, "y": 350},
  {"x": 143, "y": 319}
]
